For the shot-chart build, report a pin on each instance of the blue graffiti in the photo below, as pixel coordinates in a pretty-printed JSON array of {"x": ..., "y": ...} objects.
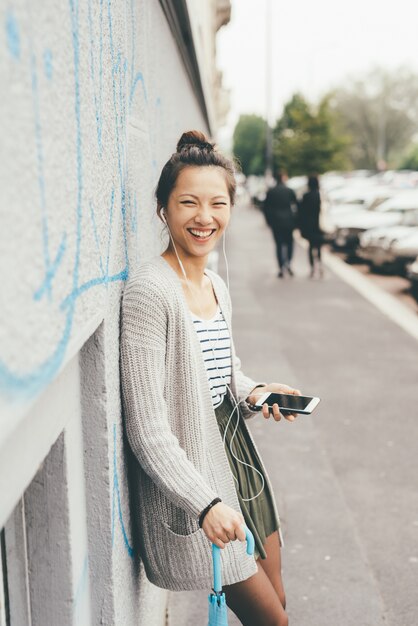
[
  {"x": 96, "y": 238},
  {"x": 112, "y": 202},
  {"x": 97, "y": 95},
  {"x": 116, "y": 502},
  {"x": 48, "y": 63},
  {"x": 124, "y": 82},
  {"x": 80, "y": 590},
  {"x": 138, "y": 79},
  {"x": 51, "y": 271},
  {"x": 12, "y": 35},
  {"x": 50, "y": 267}
]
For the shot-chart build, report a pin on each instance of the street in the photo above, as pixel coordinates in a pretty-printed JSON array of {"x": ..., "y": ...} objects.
[{"x": 345, "y": 478}]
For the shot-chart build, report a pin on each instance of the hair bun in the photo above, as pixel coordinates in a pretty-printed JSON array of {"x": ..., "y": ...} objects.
[{"x": 194, "y": 138}]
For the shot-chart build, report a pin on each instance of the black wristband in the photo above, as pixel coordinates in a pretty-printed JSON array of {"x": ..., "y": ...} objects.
[
  {"x": 251, "y": 406},
  {"x": 203, "y": 513}
]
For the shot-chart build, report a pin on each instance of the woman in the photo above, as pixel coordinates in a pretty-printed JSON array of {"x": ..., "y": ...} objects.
[
  {"x": 179, "y": 371},
  {"x": 309, "y": 212}
]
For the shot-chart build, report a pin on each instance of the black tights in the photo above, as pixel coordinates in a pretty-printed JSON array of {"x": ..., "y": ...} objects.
[
  {"x": 260, "y": 600},
  {"x": 312, "y": 247}
]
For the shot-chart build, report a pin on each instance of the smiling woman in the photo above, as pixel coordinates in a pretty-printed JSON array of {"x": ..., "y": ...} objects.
[{"x": 182, "y": 385}]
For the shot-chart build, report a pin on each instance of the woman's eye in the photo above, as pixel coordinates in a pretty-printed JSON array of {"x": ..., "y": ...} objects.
[
  {"x": 220, "y": 203},
  {"x": 187, "y": 202}
]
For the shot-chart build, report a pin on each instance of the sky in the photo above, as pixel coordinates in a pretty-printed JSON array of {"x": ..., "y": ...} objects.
[{"x": 316, "y": 45}]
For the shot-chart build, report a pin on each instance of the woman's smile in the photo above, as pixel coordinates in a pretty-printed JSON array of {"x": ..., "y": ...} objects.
[{"x": 201, "y": 234}]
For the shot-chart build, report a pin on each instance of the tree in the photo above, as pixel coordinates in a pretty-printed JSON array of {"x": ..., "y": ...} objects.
[
  {"x": 379, "y": 113},
  {"x": 410, "y": 161},
  {"x": 249, "y": 144},
  {"x": 308, "y": 140}
]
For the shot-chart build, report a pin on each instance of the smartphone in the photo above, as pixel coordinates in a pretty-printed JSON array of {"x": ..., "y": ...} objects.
[{"x": 288, "y": 403}]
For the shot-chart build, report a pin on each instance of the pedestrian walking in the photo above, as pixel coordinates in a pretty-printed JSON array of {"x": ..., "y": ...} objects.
[
  {"x": 280, "y": 209},
  {"x": 309, "y": 224},
  {"x": 198, "y": 475}
]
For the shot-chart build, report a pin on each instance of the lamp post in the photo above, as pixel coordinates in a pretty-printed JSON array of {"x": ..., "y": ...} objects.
[{"x": 269, "y": 133}]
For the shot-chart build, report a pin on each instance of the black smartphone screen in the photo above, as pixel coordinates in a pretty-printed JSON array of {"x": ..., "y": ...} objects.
[{"x": 288, "y": 401}]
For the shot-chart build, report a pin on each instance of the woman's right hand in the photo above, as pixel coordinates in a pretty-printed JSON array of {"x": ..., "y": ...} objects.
[{"x": 223, "y": 524}]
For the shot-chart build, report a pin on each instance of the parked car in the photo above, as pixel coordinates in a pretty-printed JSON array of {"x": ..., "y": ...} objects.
[
  {"x": 405, "y": 249},
  {"x": 412, "y": 273},
  {"x": 392, "y": 212},
  {"x": 378, "y": 245},
  {"x": 352, "y": 201}
]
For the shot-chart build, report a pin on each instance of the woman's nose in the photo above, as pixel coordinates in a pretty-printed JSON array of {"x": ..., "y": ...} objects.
[{"x": 204, "y": 216}]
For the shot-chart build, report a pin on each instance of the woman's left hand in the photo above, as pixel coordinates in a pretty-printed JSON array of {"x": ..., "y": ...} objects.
[{"x": 273, "y": 388}]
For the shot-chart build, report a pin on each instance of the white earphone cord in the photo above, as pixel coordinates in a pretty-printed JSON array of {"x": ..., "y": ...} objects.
[{"x": 236, "y": 407}]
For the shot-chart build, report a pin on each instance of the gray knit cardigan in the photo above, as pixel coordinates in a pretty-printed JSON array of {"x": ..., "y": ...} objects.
[{"x": 172, "y": 429}]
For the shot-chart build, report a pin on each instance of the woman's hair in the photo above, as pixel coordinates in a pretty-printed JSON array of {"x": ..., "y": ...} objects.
[
  {"x": 313, "y": 183},
  {"x": 193, "y": 149}
]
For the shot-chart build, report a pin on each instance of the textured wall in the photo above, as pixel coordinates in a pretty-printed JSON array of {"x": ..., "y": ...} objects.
[{"x": 94, "y": 99}]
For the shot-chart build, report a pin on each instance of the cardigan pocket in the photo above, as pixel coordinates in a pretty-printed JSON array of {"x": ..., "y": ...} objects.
[
  {"x": 186, "y": 558},
  {"x": 183, "y": 536},
  {"x": 178, "y": 521}
]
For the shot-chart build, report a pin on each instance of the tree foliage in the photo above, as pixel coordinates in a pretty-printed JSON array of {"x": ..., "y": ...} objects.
[
  {"x": 308, "y": 140},
  {"x": 249, "y": 144},
  {"x": 410, "y": 161},
  {"x": 379, "y": 113}
]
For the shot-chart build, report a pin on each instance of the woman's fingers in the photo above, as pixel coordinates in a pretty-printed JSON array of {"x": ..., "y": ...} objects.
[
  {"x": 231, "y": 534},
  {"x": 276, "y": 412},
  {"x": 223, "y": 524},
  {"x": 291, "y": 416},
  {"x": 240, "y": 533}
]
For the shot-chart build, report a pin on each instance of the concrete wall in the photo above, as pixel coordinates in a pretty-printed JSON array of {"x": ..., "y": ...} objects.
[{"x": 95, "y": 97}]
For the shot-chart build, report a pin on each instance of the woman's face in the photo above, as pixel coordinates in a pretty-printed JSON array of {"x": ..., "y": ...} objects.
[{"x": 199, "y": 209}]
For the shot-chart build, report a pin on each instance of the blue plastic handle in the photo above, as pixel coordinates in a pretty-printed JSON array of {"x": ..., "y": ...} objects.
[{"x": 216, "y": 557}]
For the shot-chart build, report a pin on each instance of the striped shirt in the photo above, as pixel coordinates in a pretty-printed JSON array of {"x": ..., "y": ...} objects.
[{"x": 215, "y": 343}]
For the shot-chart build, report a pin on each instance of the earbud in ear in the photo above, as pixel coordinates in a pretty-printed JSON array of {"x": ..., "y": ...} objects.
[{"x": 163, "y": 216}]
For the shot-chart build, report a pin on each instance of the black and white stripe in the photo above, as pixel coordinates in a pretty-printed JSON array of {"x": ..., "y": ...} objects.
[{"x": 215, "y": 342}]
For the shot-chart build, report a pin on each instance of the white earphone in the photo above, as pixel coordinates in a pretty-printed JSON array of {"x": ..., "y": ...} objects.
[{"x": 236, "y": 404}]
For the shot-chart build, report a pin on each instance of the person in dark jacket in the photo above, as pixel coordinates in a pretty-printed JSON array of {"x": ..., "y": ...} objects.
[
  {"x": 280, "y": 208},
  {"x": 308, "y": 222}
]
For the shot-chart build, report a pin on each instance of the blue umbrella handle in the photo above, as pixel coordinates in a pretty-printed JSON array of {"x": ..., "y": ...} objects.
[{"x": 216, "y": 557}]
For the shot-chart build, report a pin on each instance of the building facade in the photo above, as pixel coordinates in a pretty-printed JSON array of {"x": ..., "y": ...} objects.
[{"x": 96, "y": 94}]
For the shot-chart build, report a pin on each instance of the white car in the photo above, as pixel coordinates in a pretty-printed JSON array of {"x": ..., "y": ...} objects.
[
  {"x": 405, "y": 249},
  {"x": 379, "y": 245},
  {"x": 353, "y": 201},
  {"x": 395, "y": 211},
  {"x": 412, "y": 273}
]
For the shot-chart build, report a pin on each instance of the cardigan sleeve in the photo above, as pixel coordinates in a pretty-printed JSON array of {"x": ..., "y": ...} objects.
[
  {"x": 244, "y": 385},
  {"x": 142, "y": 369}
]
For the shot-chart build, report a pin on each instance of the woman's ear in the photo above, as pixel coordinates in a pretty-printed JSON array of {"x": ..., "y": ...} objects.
[{"x": 160, "y": 213}]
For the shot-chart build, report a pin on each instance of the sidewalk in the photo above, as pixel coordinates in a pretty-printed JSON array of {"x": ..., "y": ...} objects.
[{"x": 344, "y": 478}]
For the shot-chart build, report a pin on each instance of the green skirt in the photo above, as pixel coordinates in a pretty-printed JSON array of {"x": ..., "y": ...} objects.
[{"x": 259, "y": 514}]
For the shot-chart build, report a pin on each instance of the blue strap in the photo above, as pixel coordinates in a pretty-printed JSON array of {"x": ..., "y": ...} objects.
[{"x": 216, "y": 557}]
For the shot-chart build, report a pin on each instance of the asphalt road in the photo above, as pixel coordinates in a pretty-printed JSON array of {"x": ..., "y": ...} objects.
[{"x": 346, "y": 477}]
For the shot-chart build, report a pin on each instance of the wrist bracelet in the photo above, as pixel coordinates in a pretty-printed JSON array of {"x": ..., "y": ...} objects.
[{"x": 203, "y": 513}]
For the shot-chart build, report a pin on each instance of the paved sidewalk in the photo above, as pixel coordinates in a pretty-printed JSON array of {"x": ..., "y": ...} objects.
[{"x": 345, "y": 478}]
